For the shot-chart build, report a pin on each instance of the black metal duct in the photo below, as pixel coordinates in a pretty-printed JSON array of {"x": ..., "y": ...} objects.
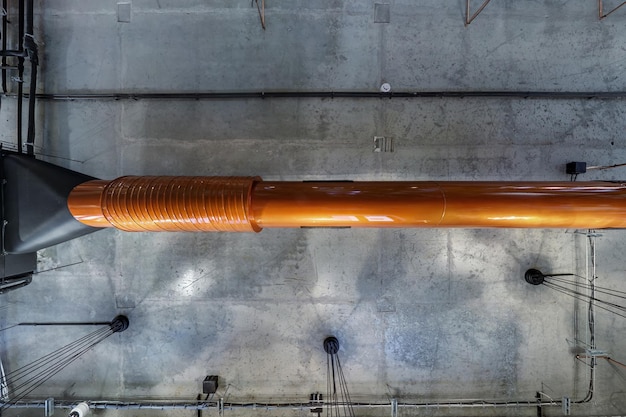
[{"x": 35, "y": 212}]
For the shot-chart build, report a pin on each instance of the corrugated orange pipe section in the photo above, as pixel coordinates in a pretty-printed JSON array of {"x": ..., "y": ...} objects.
[
  {"x": 156, "y": 204},
  {"x": 246, "y": 204}
]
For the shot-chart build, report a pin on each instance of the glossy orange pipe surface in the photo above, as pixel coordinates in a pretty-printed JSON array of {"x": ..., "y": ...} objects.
[
  {"x": 249, "y": 204},
  {"x": 189, "y": 204}
]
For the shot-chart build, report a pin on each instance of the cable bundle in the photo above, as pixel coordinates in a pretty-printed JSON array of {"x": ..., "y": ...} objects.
[
  {"x": 26, "y": 379},
  {"x": 338, "y": 402}
]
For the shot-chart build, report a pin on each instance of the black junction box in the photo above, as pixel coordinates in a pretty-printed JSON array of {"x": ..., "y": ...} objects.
[
  {"x": 209, "y": 385},
  {"x": 575, "y": 168}
]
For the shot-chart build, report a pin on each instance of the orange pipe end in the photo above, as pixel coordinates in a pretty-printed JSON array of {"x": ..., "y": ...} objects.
[{"x": 85, "y": 203}]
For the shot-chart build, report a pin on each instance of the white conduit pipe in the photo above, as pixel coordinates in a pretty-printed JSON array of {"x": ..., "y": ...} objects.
[{"x": 81, "y": 410}]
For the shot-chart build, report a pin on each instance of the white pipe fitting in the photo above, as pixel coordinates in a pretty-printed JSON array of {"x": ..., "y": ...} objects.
[{"x": 81, "y": 410}]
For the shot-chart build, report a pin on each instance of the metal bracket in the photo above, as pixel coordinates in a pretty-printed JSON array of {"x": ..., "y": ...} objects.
[
  {"x": 261, "y": 9},
  {"x": 601, "y": 14},
  {"x": 469, "y": 19},
  {"x": 14, "y": 282},
  {"x": 383, "y": 144},
  {"x": 49, "y": 407},
  {"x": 597, "y": 353},
  {"x": 566, "y": 406}
]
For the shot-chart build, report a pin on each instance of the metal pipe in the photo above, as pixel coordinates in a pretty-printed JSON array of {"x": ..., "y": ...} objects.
[
  {"x": 20, "y": 73},
  {"x": 240, "y": 204},
  {"x": 13, "y": 53},
  {"x": 203, "y": 405},
  {"x": 34, "y": 62},
  {"x": 601, "y": 13},
  {"x": 553, "y": 95},
  {"x": 30, "y": 17},
  {"x": 5, "y": 16}
]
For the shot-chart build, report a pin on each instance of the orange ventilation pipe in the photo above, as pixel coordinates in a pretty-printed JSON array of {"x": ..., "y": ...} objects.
[{"x": 249, "y": 204}]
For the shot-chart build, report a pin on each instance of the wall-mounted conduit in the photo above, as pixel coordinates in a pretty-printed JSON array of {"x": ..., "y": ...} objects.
[
  {"x": 204, "y": 405},
  {"x": 554, "y": 95}
]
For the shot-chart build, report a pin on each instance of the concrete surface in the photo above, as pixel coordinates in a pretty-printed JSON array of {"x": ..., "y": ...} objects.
[{"x": 422, "y": 315}]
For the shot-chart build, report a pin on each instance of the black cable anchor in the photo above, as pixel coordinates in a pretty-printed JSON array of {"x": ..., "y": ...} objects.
[
  {"x": 536, "y": 277},
  {"x": 586, "y": 290}
]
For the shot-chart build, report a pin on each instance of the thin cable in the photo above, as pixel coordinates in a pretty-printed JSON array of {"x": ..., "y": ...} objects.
[
  {"x": 338, "y": 399},
  {"x": 54, "y": 365},
  {"x": 611, "y": 360},
  {"x": 27, "y": 378},
  {"x": 329, "y": 399},
  {"x": 617, "y": 306},
  {"x": 49, "y": 373},
  {"x": 606, "y": 167},
  {"x": 584, "y": 299},
  {"x": 603, "y": 290},
  {"x": 346, "y": 393},
  {"x": 53, "y": 354},
  {"x": 56, "y": 360},
  {"x": 43, "y": 376}
]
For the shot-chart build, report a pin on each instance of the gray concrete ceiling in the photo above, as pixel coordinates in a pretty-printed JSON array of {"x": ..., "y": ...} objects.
[{"x": 422, "y": 315}]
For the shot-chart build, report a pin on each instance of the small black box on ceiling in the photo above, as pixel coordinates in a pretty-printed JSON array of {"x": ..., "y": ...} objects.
[
  {"x": 209, "y": 385},
  {"x": 575, "y": 168}
]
